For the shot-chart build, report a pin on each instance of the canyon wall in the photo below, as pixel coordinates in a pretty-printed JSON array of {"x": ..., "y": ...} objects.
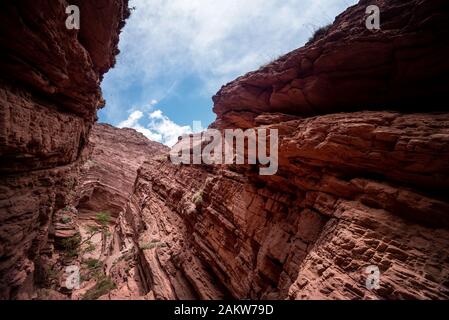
[
  {"x": 106, "y": 182},
  {"x": 49, "y": 96},
  {"x": 363, "y": 172},
  {"x": 362, "y": 180},
  {"x": 107, "y": 177}
]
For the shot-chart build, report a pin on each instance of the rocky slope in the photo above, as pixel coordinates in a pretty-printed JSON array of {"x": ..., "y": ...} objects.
[
  {"x": 49, "y": 96},
  {"x": 358, "y": 186}
]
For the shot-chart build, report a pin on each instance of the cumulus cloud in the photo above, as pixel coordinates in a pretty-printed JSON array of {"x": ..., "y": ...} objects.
[{"x": 159, "y": 128}]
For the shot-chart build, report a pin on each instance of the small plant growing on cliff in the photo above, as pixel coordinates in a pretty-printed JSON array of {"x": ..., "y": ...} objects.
[
  {"x": 71, "y": 245},
  {"x": 91, "y": 229},
  {"x": 46, "y": 276},
  {"x": 93, "y": 264},
  {"x": 94, "y": 269},
  {"x": 66, "y": 219},
  {"x": 319, "y": 33},
  {"x": 197, "y": 199},
  {"x": 90, "y": 247},
  {"x": 103, "y": 218}
]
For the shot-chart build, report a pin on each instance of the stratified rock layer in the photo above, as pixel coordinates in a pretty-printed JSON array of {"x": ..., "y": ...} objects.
[
  {"x": 312, "y": 230},
  {"x": 107, "y": 177},
  {"x": 354, "y": 191},
  {"x": 49, "y": 96},
  {"x": 403, "y": 66}
]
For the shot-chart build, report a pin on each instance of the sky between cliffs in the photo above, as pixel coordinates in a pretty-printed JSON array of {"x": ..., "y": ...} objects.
[{"x": 176, "y": 54}]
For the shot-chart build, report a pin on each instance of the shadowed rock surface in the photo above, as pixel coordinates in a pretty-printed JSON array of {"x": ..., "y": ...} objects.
[
  {"x": 105, "y": 184},
  {"x": 107, "y": 177}
]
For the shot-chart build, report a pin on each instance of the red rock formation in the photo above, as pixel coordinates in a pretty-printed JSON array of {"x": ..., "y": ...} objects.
[
  {"x": 357, "y": 185},
  {"x": 105, "y": 184},
  {"x": 49, "y": 96},
  {"x": 108, "y": 176},
  {"x": 354, "y": 190},
  {"x": 310, "y": 231},
  {"x": 403, "y": 66}
]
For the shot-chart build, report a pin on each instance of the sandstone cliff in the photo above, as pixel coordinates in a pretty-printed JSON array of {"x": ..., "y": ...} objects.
[
  {"x": 358, "y": 186},
  {"x": 49, "y": 96},
  {"x": 403, "y": 66},
  {"x": 107, "y": 177}
]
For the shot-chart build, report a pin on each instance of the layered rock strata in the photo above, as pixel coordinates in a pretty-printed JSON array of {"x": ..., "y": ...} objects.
[
  {"x": 402, "y": 66},
  {"x": 358, "y": 187},
  {"x": 107, "y": 177},
  {"x": 49, "y": 96},
  {"x": 361, "y": 186}
]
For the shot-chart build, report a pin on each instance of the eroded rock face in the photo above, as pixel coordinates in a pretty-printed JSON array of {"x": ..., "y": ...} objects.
[
  {"x": 107, "y": 177},
  {"x": 49, "y": 96},
  {"x": 403, "y": 66},
  {"x": 312, "y": 230},
  {"x": 106, "y": 182},
  {"x": 354, "y": 190}
]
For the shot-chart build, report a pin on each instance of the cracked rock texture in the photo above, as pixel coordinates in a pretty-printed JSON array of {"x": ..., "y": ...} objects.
[
  {"x": 49, "y": 96},
  {"x": 106, "y": 182},
  {"x": 311, "y": 231}
]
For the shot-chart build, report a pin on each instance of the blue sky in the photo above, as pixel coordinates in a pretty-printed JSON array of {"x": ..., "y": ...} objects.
[{"x": 176, "y": 54}]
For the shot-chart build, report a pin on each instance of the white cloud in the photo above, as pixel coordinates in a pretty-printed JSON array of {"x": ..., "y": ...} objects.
[
  {"x": 213, "y": 40},
  {"x": 159, "y": 128},
  {"x": 145, "y": 108}
]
